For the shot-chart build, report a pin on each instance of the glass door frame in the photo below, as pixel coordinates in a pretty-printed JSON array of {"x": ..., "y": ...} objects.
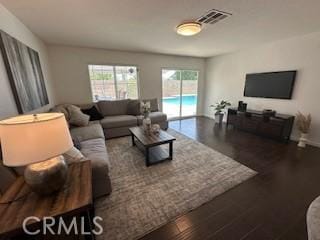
[{"x": 181, "y": 91}]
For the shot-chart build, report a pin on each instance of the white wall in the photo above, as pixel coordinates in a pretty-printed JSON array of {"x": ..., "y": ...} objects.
[
  {"x": 225, "y": 77},
  {"x": 71, "y": 78},
  {"x": 11, "y": 25}
]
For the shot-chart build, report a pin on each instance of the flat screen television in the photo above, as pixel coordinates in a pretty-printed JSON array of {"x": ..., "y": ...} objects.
[{"x": 270, "y": 85}]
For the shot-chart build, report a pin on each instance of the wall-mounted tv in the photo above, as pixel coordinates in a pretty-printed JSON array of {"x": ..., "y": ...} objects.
[{"x": 270, "y": 85}]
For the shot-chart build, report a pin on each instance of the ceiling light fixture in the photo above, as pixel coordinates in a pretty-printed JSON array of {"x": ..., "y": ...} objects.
[{"x": 189, "y": 28}]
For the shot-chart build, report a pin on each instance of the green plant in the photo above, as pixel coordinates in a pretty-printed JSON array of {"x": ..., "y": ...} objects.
[
  {"x": 219, "y": 107},
  {"x": 303, "y": 122}
]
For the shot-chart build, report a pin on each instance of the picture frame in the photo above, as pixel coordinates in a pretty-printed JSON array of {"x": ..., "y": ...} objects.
[{"x": 24, "y": 73}]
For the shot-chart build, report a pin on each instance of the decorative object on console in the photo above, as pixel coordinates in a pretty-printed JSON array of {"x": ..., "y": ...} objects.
[
  {"x": 37, "y": 141},
  {"x": 219, "y": 110},
  {"x": 304, "y": 123},
  {"x": 242, "y": 107},
  {"x": 269, "y": 113},
  {"x": 24, "y": 73}
]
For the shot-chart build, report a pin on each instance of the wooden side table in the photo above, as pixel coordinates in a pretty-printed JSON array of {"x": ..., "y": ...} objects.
[{"x": 75, "y": 199}]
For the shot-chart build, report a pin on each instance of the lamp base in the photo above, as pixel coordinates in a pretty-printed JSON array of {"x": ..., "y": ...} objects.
[{"x": 48, "y": 176}]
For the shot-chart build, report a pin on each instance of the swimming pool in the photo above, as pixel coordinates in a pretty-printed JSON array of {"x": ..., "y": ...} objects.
[
  {"x": 187, "y": 100},
  {"x": 171, "y": 106}
]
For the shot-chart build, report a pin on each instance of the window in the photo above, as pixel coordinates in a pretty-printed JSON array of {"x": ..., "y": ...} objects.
[{"x": 113, "y": 82}]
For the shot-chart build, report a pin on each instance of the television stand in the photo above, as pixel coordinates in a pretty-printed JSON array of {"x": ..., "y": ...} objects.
[{"x": 278, "y": 127}]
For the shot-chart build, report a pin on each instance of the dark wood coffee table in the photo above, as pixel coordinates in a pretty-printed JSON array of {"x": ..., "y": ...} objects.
[{"x": 150, "y": 145}]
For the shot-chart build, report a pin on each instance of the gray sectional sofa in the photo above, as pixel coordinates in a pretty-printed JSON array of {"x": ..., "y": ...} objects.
[{"x": 118, "y": 117}]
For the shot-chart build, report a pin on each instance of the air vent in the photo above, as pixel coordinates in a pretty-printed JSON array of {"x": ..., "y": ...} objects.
[{"x": 213, "y": 16}]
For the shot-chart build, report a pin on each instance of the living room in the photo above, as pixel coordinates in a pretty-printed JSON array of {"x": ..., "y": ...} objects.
[{"x": 164, "y": 129}]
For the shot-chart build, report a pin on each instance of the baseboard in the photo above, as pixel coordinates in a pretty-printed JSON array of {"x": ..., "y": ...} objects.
[
  {"x": 309, "y": 142},
  {"x": 208, "y": 116},
  {"x": 211, "y": 117}
]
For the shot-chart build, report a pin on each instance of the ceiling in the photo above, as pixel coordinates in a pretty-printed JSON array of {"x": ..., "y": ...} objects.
[{"x": 149, "y": 25}]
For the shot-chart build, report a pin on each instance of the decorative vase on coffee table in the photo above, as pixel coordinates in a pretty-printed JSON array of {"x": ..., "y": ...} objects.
[{"x": 146, "y": 124}]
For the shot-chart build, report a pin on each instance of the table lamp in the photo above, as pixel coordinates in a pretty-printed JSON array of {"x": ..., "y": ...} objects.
[{"x": 37, "y": 142}]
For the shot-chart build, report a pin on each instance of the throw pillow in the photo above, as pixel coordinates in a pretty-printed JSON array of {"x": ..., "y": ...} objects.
[
  {"x": 77, "y": 117},
  {"x": 134, "y": 107},
  {"x": 93, "y": 113},
  {"x": 62, "y": 108},
  {"x": 113, "y": 107},
  {"x": 73, "y": 155}
]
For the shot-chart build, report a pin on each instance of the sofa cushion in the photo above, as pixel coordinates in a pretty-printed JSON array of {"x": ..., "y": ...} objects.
[
  {"x": 76, "y": 117},
  {"x": 153, "y": 104},
  {"x": 92, "y": 131},
  {"x": 134, "y": 107},
  {"x": 62, "y": 108},
  {"x": 156, "y": 117},
  {"x": 119, "y": 121},
  {"x": 95, "y": 150},
  {"x": 113, "y": 108}
]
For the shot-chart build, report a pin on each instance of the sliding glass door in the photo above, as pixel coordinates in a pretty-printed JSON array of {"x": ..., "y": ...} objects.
[
  {"x": 179, "y": 92},
  {"x": 189, "y": 93}
]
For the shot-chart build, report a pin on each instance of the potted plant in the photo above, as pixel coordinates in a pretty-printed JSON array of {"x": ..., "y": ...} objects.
[
  {"x": 219, "y": 108},
  {"x": 303, "y": 123}
]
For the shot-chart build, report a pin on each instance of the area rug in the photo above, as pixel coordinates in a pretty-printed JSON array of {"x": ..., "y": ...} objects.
[{"x": 145, "y": 198}]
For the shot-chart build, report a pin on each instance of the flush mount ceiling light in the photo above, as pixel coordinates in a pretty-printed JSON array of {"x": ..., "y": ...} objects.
[{"x": 189, "y": 28}]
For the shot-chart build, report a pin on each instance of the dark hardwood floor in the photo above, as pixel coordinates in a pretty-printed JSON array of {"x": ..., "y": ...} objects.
[{"x": 270, "y": 205}]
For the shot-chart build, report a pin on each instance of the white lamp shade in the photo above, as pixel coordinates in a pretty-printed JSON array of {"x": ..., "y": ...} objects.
[{"x": 30, "y": 139}]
